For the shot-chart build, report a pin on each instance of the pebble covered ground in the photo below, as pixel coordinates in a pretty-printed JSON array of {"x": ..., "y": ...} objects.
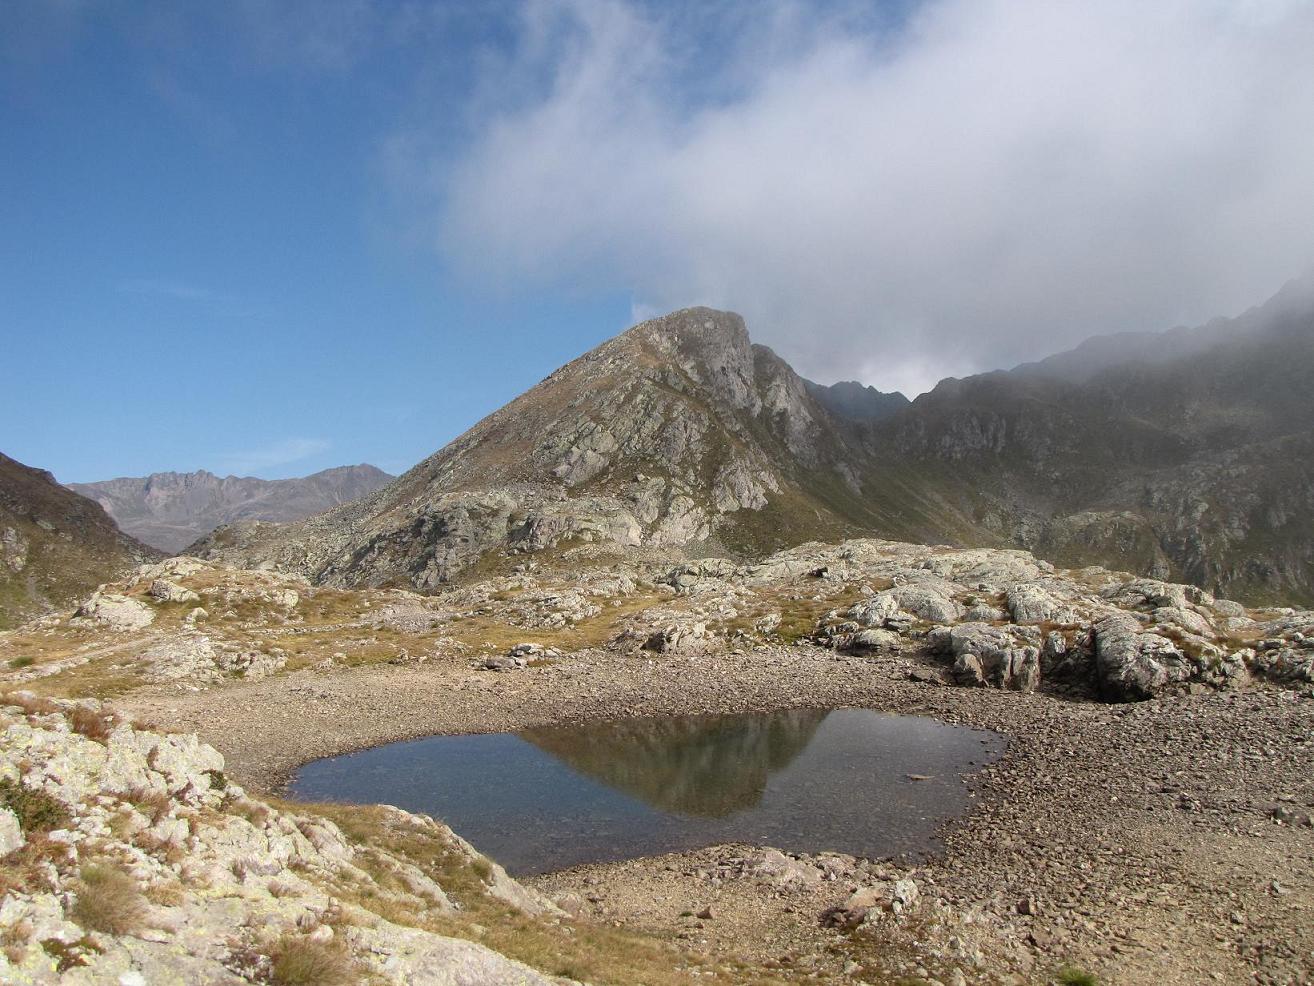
[{"x": 1167, "y": 841}]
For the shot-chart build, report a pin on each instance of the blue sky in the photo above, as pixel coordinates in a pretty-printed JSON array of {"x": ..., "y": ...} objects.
[
  {"x": 267, "y": 238},
  {"x": 202, "y": 265}
]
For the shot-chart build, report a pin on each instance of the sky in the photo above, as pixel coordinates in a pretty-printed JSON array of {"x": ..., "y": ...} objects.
[{"x": 266, "y": 238}]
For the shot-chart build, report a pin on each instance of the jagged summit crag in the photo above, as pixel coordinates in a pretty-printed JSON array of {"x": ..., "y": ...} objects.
[
  {"x": 170, "y": 510},
  {"x": 1188, "y": 459}
]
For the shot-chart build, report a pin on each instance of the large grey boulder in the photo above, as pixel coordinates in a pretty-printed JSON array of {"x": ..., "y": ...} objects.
[
  {"x": 929, "y": 599},
  {"x": 1032, "y": 603},
  {"x": 1131, "y": 664},
  {"x": 988, "y": 655},
  {"x": 116, "y": 612}
]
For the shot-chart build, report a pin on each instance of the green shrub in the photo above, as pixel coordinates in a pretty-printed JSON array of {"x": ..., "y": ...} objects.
[
  {"x": 36, "y": 811},
  {"x": 1070, "y": 975}
]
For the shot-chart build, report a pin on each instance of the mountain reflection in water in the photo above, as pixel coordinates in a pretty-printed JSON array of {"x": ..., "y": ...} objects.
[
  {"x": 707, "y": 766},
  {"x": 802, "y": 780}
]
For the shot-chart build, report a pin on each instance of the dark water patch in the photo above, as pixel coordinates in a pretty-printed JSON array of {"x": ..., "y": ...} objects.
[{"x": 806, "y": 780}]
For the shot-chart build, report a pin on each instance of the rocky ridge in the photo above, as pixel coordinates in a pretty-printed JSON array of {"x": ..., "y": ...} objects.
[
  {"x": 170, "y": 510},
  {"x": 1183, "y": 456}
]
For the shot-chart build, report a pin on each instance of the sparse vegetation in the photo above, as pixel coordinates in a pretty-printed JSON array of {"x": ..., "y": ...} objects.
[
  {"x": 153, "y": 804},
  {"x": 67, "y": 956},
  {"x": 301, "y": 961},
  {"x": 1071, "y": 975},
  {"x": 108, "y": 900},
  {"x": 590, "y": 952},
  {"x": 91, "y": 723},
  {"x": 35, "y": 810}
]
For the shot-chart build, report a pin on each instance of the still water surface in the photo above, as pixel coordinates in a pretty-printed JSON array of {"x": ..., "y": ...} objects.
[{"x": 805, "y": 780}]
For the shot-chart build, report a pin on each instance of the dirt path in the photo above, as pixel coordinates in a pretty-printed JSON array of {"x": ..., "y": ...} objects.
[{"x": 1142, "y": 837}]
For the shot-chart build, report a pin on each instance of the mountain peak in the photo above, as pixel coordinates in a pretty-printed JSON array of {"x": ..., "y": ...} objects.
[
  {"x": 677, "y": 431},
  {"x": 170, "y": 510}
]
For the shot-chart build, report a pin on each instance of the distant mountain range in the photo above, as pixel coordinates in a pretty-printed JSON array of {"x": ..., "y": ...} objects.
[
  {"x": 170, "y": 510},
  {"x": 1187, "y": 454},
  {"x": 55, "y": 546}
]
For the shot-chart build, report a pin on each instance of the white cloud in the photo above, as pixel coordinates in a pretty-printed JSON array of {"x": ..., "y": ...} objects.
[
  {"x": 280, "y": 453},
  {"x": 994, "y": 181}
]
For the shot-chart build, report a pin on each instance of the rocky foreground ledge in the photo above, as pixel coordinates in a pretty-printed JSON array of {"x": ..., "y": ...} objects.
[{"x": 129, "y": 858}]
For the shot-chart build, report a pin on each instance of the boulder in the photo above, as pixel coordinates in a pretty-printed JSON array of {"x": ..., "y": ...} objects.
[
  {"x": 874, "y": 612},
  {"x": 983, "y": 654},
  {"x": 116, "y": 612},
  {"x": 773, "y": 866},
  {"x": 1032, "y": 603},
  {"x": 867, "y": 904},
  {"x": 249, "y": 663},
  {"x": 872, "y": 642},
  {"x": 171, "y": 592},
  {"x": 931, "y": 600},
  {"x": 11, "y": 833},
  {"x": 1130, "y": 664},
  {"x": 1183, "y": 619},
  {"x": 967, "y": 671},
  {"x": 676, "y": 637}
]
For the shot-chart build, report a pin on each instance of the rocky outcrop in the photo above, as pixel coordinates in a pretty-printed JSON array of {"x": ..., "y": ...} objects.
[
  {"x": 986, "y": 618},
  {"x": 136, "y": 860},
  {"x": 115, "y": 612}
]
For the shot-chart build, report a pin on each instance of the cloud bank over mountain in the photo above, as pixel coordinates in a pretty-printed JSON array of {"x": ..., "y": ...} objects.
[{"x": 968, "y": 185}]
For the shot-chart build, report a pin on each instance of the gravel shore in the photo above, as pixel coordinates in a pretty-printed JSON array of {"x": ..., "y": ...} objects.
[{"x": 1165, "y": 841}]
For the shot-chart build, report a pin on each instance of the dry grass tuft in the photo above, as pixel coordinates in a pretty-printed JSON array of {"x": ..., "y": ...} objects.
[
  {"x": 299, "y": 961},
  {"x": 153, "y": 804},
  {"x": 253, "y": 811},
  {"x": 108, "y": 900},
  {"x": 92, "y": 724},
  {"x": 166, "y": 894},
  {"x": 32, "y": 705}
]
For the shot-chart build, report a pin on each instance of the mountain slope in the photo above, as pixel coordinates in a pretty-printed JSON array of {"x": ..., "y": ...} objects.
[
  {"x": 170, "y": 510},
  {"x": 1190, "y": 460},
  {"x": 677, "y": 431},
  {"x": 55, "y": 546}
]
